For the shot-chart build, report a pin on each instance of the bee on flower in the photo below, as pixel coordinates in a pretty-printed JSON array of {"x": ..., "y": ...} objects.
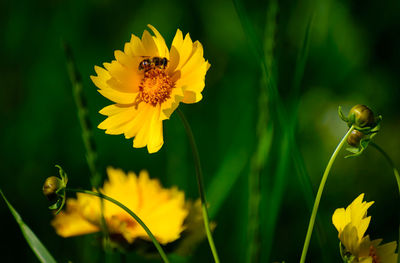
[
  {"x": 351, "y": 224},
  {"x": 146, "y": 82}
]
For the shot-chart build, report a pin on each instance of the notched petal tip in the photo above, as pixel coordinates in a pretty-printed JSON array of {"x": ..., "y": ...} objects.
[{"x": 154, "y": 149}]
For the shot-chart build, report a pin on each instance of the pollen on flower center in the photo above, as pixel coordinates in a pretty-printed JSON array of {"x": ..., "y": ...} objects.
[
  {"x": 155, "y": 87},
  {"x": 373, "y": 255}
]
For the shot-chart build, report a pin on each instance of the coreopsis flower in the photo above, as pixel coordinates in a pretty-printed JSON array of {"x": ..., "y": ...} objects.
[
  {"x": 352, "y": 223},
  {"x": 147, "y": 81},
  {"x": 162, "y": 210}
]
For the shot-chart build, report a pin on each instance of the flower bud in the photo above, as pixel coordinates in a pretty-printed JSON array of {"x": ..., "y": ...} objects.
[
  {"x": 354, "y": 138},
  {"x": 51, "y": 187},
  {"x": 363, "y": 116}
]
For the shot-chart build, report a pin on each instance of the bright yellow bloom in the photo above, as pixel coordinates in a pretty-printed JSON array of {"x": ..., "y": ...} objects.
[
  {"x": 352, "y": 223},
  {"x": 146, "y": 88},
  {"x": 162, "y": 210}
]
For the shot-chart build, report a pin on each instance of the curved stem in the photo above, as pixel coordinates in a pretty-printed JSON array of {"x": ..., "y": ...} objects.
[
  {"x": 105, "y": 197},
  {"x": 391, "y": 163},
  {"x": 200, "y": 183},
  {"x": 396, "y": 174},
  {"x": 319, "y": 194}
]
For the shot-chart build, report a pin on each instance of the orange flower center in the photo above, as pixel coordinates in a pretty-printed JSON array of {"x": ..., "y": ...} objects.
[
  {"x": 155, "y": 87},
  {"x": 372, "y": 253}
]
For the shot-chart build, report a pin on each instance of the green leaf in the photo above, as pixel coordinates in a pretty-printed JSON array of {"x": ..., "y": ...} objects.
[
  {"x": 38, "y": 248},
  {"x": 225, "y": 178}
]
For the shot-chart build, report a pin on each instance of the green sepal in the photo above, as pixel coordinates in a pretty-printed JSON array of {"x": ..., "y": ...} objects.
[
  {"x": 351, "y": 121},
  {"x": 56, "y": 205},
  {"x": 63, "y": 175},
  {"x": 59, "y": 204},
  {"x": 368, "y": 131},
  {"x": 346, "y": 256},
  {"x": 356, "y": 151},
  {"x": 341, "y": 115}
]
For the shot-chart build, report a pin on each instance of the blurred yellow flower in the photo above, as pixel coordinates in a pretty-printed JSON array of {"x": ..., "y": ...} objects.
[
  {"x": 147, "y": 81},
  {"x": 352, "y": 223},
  {"x": 162, "y": 210}
]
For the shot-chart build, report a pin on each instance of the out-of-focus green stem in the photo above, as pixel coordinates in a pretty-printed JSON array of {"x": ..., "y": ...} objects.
[
  {"x": 391, "y": 163},
  {"x": 83, "y": 116},
  {"x": 80, "y": 101},
  {"x": 200, "y": 183},
  {"x": 141, "y": 223},
  {"x": 396, "y": 174},
  {"x": 319, "y": 194}
]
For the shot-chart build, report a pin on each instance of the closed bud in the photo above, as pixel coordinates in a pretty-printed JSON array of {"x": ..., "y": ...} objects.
[
  {"x": 51, "y": 187},
  {"x": 354, "y": 138},
  {"x": 363, "y": 116}
]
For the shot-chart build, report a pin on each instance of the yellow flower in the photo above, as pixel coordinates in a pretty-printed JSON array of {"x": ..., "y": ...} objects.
[
  {"x": 352, "y": 223},
  {"x": 162, "y": 210},
  {"x": 147, "y": 81}
]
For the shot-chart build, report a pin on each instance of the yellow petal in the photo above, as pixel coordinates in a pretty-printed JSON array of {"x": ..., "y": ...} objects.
[
  {"x": 184, "y": 48},
  {"x": 121, "y": 187},
  {"x": 137, "y": 123},
  {"x": 349, "y": 238},
  {"x": 160, "y": 43},
  {"x": 136, "y": 47},
  {"x": 187, "y": 59},
  {"x": 68, "y": 225},
  {"x": 149, "y": 45},
  {"x": 170, "y": 105},
  {"x": 163, "y": 210},
  {"x": 363, "y": 226},
  {"x": 125, "y": 77},
  {"x": 339, "y": 219},
  {"x": 71, "y": 223},
  {"x": 151, "y": 132},
  {"x": 174, "y": 55},
  {"x": 142, "y": 137},
  {"x": 114, "y": 109},
  {"x": 102, "y": 77},
  {"x": 156, "y": 139},
  {"x": 118, "y": 97},
  {"x": 116, "y": 124},
  {"x": 386, "y": 252}
]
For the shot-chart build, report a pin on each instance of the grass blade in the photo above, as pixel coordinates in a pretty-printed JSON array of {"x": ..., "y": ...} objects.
[
  {"x": 222, "y": 183},
  {"x": 38, "y": 248}
]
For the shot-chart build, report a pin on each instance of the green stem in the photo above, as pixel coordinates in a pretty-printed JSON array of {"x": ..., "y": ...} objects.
[
  {"x": 319, "y": 194},
  {"x": 87, "y": 135},
  {"x": 83, "y": 116},
  {"x": 200, "y": 183},
  {"x": 396, "y": 174},
  {"x": 391, "y": 163},
  {"x": 105, "y": 197}
]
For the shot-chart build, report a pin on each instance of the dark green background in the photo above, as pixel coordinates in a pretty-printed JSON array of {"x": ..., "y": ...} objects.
[{"x": 354, "y": 58}]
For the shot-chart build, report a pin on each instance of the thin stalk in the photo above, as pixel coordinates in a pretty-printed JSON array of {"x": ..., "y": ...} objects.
[
  {"x": 112, "y": 200},
  {"x": 391, "y": 163},
  {"x": 86, "y": 127},
  {"x": 200, "y": 183},
  {"x": 396, "y": 174},
  {"x": 84, "y": 121},
  {"x": 319, "y": 194}
]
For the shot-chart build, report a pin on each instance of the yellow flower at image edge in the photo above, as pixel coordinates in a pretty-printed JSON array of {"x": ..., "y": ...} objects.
[
  {"x": 162, "y": 210},
  {"x": 147, "y": 81},
  {"x": 352, "y": 223}
]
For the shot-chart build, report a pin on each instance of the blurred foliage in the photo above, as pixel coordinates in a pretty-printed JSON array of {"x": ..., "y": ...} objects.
[{"x": 353, "y": 59}]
